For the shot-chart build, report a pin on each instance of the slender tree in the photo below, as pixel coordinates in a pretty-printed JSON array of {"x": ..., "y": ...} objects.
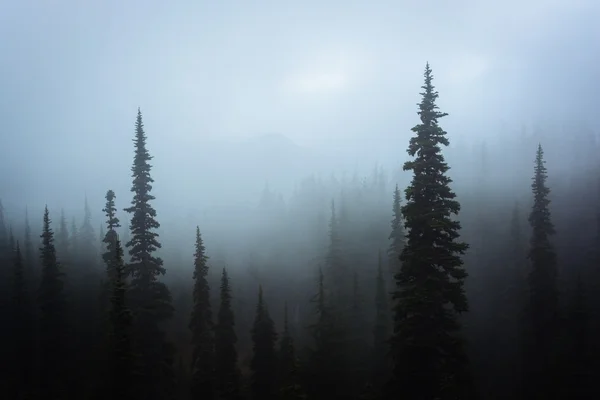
[
  {"x": 62, "y": 238},
  {"x": 87, "y": 239},
  {"x": 121, "y": 365},
  {"x": 264, "y": 360},
  {"x": 51, "y": 300},
  {"x": 227, "y": 375},
  {"x": 201, "y": 325},
  {"x": 29, "y": 256},
  {"x": 542, "y": 279},
  {"x": 427, "y": 352},
  {"x": 397, "y": 235},
  {"x": 289, "y": 385},
  {"x": 150, "y": 298},
  {"x": 110, "y": 238}
]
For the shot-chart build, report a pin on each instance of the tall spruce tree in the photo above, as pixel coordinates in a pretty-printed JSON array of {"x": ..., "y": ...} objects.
[
  {"x": 51, "y": 301},
  {"x": 227, "y": 375},
  {"x": 201, "y": 325},
  {"x": 397, "y": 236},
  {"x": 264, "y": 359},
  {"x": 121, "y": 366},
  {"x": 427, "y": 352},
  {"x": 543, "y": 288},
  {"x": 110, "y": 238},
  {"x": 150, "y": 298}
]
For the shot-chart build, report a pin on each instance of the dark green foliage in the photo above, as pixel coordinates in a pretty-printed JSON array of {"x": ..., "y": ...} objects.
[
  {"x": 150, "y": 299},
  {"x": 397, "y": 235},
  {"x": 227, "y": 375},
  {"x": 201, "y": 325},
  {"x": 382, "y": 329},
  {"x": 427, "y": 353},
  {"x": 264, "y": 360},
  {"x": 51, "y": 301},
  {"x": 121, "y": 364},
  {"x": 542, "y": 279}
]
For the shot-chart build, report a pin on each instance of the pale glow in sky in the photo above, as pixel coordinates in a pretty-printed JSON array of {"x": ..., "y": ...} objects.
[{"x": 316, "y": 83}]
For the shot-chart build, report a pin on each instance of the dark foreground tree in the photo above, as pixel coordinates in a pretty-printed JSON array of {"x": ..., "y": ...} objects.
[
  {"x": 51, "y": 377},
  {"x": 150, "y": 299},
  {"x": 121, "y": 360},
  {"x": 227, "y": 375},
  {"x": 542, "y": 278},
  {"x": 427, "y": 351},
  {"x": 397, "y": 236},
  {"x": 201, "y": 325},
  {"x": 110, "y": 238},
  {"x": 264, "y": 360},
  {"x": 289, "y": 384}
]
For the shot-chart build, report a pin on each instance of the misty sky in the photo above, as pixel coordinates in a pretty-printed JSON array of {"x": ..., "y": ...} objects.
[{"x": 336, "y": 74}]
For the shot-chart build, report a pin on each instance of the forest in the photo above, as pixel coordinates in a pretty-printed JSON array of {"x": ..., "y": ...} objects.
[{"x": 395, "y": 284}]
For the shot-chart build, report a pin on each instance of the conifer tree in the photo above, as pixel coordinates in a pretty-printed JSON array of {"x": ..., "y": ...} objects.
[
  {"x": 381, "y": 331},
  {"x": 11, "y": 241},
  {"x": 427, "y": 352},
  {"x": 51, "y": 301},
  {"x": 74, "y": 240},
  {"x": 150, "y": 298},
  {"x": 264, "y": 360},
  {"x": 227, "y": 375},
  {"x": 22, "y": 326},
  {"x": 62, "y": 239},
  {"x": 335, "y": 263},
  {"x": 325, "y": 362},
  {"x": 289, "y": 385},
  {"x": 542, "y": 277},
  {"x": 29, "y": 256},
  {"x": 201, "y": 325},
  {"x": 121, "y": 365},
  {"x": 110, "y": 238},
  {"x": 397, "y": 235},
  {"x": 87, "y": 240}
]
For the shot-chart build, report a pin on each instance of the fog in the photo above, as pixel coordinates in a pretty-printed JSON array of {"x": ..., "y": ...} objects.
[{"x": 260, "y": 114}]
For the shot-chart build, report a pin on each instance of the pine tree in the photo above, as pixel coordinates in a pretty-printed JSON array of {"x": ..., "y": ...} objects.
[
  {"x": 542, "y": 277},
  {"x": 325, "y": 359},
  {"x": 381, "y": 331},
  {"x": 335, "y": 264},
  {"x": 121, "y": 365},
  {"x": 110, "y": 238},
  {"x": 62, "y": 239},
  {"x": 227, "y": 375},
  {"x": 264, "y": 360},
  {"x": 358, "y": 331},
  {"x": 289, "y": 385},
  {"x": 74, "y": 240},
  {"x": 22, "y": 326},
  {"x": 427, "y": 353},
  {"x": 87, "y": 240},
  {"x": 52, "y": 323},
  {"x": 201, "y": 325},
  {"x": 150, "y": 298},
  {"x": 397, "y": 235},
  {"x": 30, "y": 260}
]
